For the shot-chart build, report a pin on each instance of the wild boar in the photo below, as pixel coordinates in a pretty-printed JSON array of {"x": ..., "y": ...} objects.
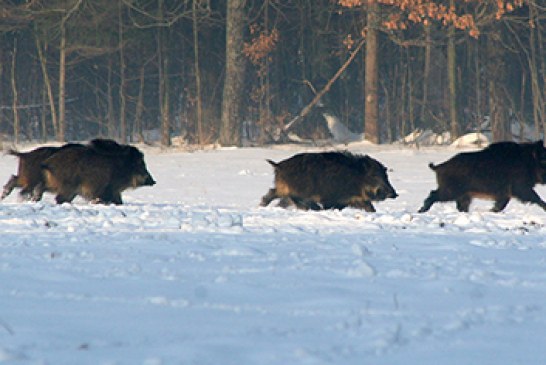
[
  {"x": 499, "y": 172},
  {"x": 29, "y": 174},
  {"x": 330, "y": 180},
  {"x": 98, "y": 172}
]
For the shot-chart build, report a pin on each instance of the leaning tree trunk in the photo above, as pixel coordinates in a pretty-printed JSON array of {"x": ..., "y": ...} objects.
[
  {"x": 371, "y": 124},
  {"x": 232, "y": 101}
]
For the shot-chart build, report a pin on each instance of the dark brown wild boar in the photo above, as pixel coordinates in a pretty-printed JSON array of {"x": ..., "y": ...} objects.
[
  {"x": 98, "y": 172},
  {"x": 499, "y": 172},
  {"x": 29, "y": 174},
  {"x": 330, "y": 180}
]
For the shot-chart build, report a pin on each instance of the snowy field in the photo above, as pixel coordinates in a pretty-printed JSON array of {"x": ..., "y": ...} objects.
[{"x": 192, "y": 271}]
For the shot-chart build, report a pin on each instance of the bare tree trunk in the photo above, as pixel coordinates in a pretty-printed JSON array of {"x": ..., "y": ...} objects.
[
  {"x": 479, "y": 115},
  {"x": 1, "y": 89},
  {"x": 411, "y": 98},
  {"x": 122, "y": 82},
  {"x": 110, "y": 97},
  {"x": 395, "y": 106},
  {"x": 62, "y": 86},
  {"x": 372, "y": 130},
  {"x": 497, "y": 101},
  {"x": 265, "y": 107},
  {"x": 62, "y": 78},
  {"x": 387, "y": 112},
  {"x": 403, "y": 100},
  {"x": 49, "y": 90},
  {"x": 452, "y": 79},
  {"x": 200, "y": 136},
  {"x": 62, "y": 72},
  {"x": 232, "y": 101},
  {"x": 426, "y": 72},
  {"x": 542, "y": 58},
  {"x": 537, "y": 94},
  {"x": 140, "y": 105},
  {"x": 166, "y": 110},
  {"x": 15, "y": 98},
  {"x": 43, "y": 121},
  {"x": 162, "y": 63}
]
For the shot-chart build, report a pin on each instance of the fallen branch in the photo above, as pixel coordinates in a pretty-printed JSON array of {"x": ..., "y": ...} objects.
[{"x": 325, "y": 89}]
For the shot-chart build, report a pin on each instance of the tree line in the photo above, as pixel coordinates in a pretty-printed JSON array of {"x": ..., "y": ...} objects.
[{"x": 254, "y": 71}]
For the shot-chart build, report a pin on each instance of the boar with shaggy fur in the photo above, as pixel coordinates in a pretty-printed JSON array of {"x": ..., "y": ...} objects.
[
  {"x": 98, "y": 172},
  {"x": 29, "y": 173},
  {"x": 499, "y": 172},
  {"x": 330, "y": 180}
]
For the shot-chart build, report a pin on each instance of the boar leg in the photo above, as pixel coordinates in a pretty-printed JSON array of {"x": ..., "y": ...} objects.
[
  {"x": 446, "y": 195},
  {"x": 64, "y": 197},
  {"x": 463, "y": 203},
  {"x": 12, "y": 183},
  {"x": 285, "y": 202},
  {"x": 305, "y": 204},
  {"x": 529, "y": 196},
  {"x": 500, "y": 204},
  {"x": 336, "y": 205},
  {"x": 38, "y": 192},
  {"x": 269, "y": 197},
  {"x": 109, "y": 196},
  {"x": 289, "y": 201},
  {"x": 116, "y": 199},
  {"x": 364, "y": 204},
  {"x": 431, "y": 199},
  {"x": 368, "y": 206}
]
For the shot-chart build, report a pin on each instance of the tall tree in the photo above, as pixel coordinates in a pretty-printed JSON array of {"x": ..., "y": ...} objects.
[
  {"x": 123, "y": 79},
  {"x": 15, "y": 92},
  {"x": 372, "y": 130},
  {"x": 230, "y": 134},
  {"x": 62, "y": 69},
  {"x": 452, "y": 78}
]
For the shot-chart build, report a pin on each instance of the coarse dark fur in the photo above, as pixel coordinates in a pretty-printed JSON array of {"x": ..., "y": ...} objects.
[
  {"x": 330, "y": 180},
  {"x": 499, "y": 172},
  {"x": 29, "y": 174},
  {"x": 98, "y": 172}
]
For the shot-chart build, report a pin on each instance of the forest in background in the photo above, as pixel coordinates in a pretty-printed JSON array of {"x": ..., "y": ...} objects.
[{"x": 244, "y": 71}]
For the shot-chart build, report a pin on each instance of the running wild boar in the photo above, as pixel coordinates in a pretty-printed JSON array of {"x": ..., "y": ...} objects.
[
  {"x": 29, "y": 174},
  {"x": 98, "y": 172},
  {"x": 499, "y": 172},
  {"x": 330, "y": 180}
]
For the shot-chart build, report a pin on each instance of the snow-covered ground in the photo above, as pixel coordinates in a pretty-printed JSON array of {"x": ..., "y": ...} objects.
[{"x": 192, "y": 271}]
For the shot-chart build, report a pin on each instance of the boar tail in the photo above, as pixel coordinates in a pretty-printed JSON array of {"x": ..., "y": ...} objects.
[
  {"x": 432, "y": 166},
  {"x": 272, "y": 163}
]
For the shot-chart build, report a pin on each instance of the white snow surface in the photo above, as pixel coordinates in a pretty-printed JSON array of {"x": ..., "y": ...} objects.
[{"x": 192, "y": 271}]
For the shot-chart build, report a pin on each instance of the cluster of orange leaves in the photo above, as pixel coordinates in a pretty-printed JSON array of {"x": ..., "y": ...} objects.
[
  {"x": 422, "y": 11},
  {"x": 261, "y": 45}
]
